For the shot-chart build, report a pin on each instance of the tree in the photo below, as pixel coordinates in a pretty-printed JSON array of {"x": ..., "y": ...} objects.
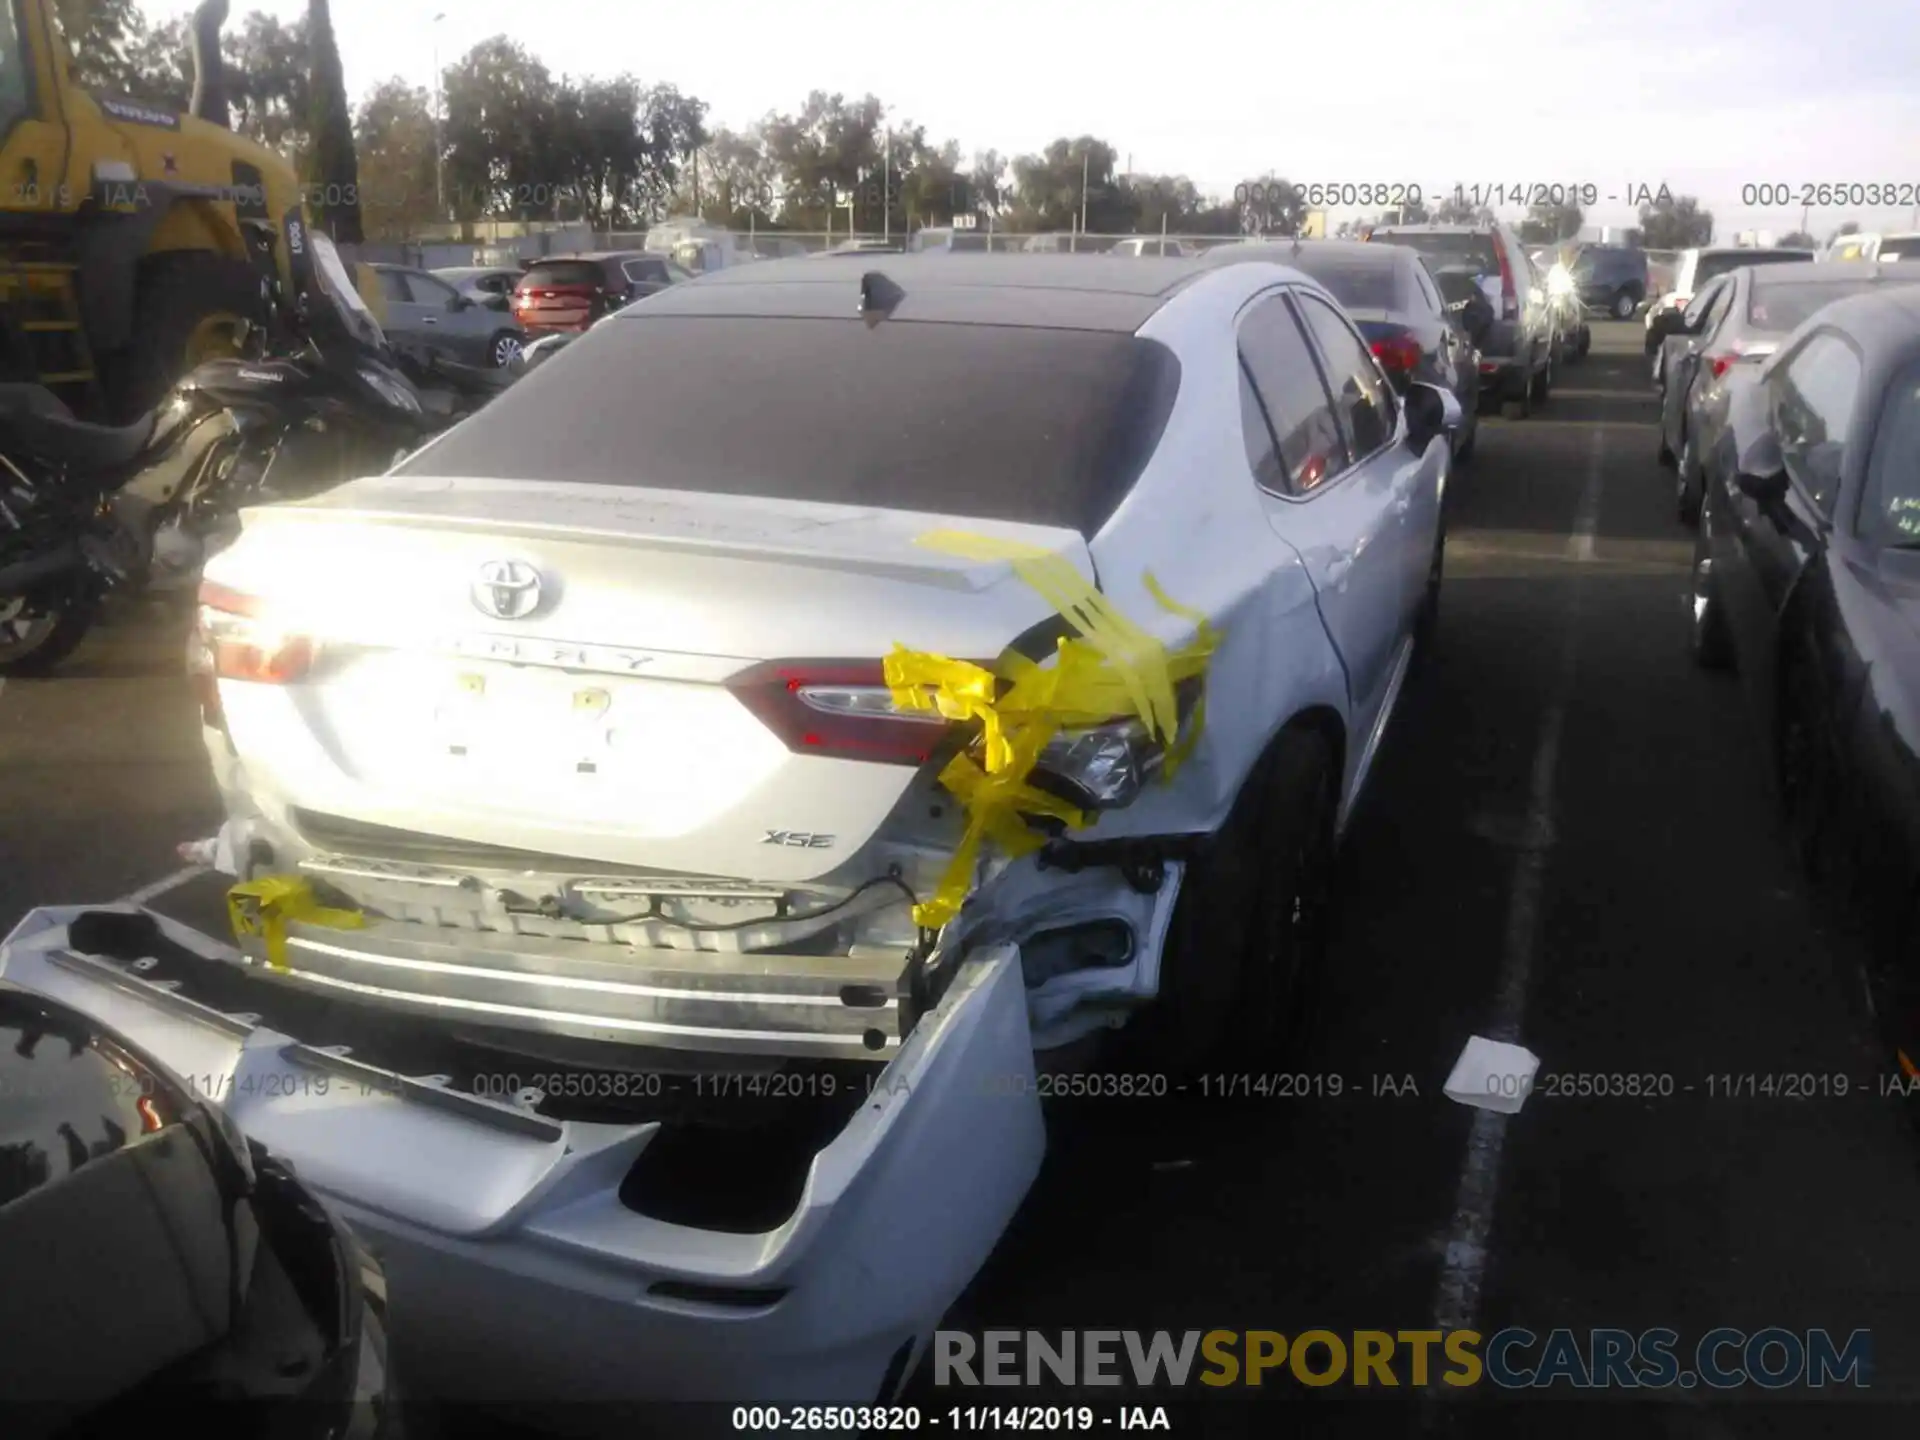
[
  {"x": 1553, "y": 222},
  {"x": 739, "y": 187},
  {"x": 500, "y": 127},
  {"x": 831, "y": 145},
  {"x": 1675, "y": 223},
  {"x": 269, "y": 82},
  {"x": 397, "y": 178},
  {"x": 104, "y": 37},
  {"x": 1456, "y": 209},
  {"x": 990, "y": 182},
  {"x": 1053, "y": 189},
  {"x": 332, "y": 165},
  {"x": 1799, "y": 240},
  {"x": 1270, "y": 206}
]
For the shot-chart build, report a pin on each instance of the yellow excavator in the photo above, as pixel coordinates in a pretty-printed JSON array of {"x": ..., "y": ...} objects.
[{"x": 134, "y": 242}]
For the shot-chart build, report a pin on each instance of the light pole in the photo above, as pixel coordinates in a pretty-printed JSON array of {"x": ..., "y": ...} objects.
[{"x": 439, "y": 145}]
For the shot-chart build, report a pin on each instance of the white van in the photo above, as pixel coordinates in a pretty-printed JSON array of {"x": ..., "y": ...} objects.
[{"x": 1903, "y": 245}]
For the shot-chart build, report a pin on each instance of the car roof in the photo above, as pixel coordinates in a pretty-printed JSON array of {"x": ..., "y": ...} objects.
[
  {"x": 1087, "y": 292},
  {"x": 604, "y": 255},
  {"x": 1432, "y": 229},
  {"x": 1287, "y": 252},
  {"x": 1820, "y": 272}
]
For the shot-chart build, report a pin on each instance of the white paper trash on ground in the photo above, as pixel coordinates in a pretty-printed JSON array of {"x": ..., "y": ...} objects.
[{"x": 1490, "y": 1075}]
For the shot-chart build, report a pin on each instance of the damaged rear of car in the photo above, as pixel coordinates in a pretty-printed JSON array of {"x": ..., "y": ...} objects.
[{"x": 753, "y": 738}]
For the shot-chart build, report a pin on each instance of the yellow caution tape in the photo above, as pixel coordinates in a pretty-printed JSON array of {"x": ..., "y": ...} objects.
[
  {"x": 1114, "y": 670},
  {"x": 262, "y": 908}
]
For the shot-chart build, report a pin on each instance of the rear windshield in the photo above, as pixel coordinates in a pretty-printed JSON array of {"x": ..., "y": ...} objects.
[
  {"x": 1709, "y": 266},
  {"x": 563, "y": 272},
  {"x": 1356, "y": 285},
  {"x": 1015, "y": 423},
  {"x": 1785, "y": 307},
  {"x": 1453, "y": 250}
]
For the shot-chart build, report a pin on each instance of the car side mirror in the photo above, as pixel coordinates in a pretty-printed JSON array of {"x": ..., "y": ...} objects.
[
  {"x": 1767, "y": 489},
  {"x": 1431, "y": 413},
  {"x": 1669, "y": 322},
  {"x": 460, "y": 302},
  {"x": 498, "y": 302}
]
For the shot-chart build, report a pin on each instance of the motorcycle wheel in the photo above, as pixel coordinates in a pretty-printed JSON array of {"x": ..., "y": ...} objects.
[{"x": 37, "y": 633}]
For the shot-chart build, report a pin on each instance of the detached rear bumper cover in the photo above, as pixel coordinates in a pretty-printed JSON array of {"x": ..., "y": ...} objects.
[{"x": 503, "y": 1236}]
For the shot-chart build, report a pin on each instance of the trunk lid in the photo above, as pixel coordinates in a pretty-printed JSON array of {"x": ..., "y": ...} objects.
[{"x": 585, "y": 670}]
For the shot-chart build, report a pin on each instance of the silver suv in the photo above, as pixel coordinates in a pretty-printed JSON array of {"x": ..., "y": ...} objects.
[{"x": 1520, "y": 345}]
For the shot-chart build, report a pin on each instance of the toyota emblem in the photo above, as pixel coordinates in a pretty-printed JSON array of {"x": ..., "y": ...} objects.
[{"x": 507, "y": 589}]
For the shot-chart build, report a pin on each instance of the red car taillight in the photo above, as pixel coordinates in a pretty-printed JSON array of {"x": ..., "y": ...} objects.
[
  {"x": 241, "y": 643},
  {"x": 1509, "y": 297},
  {"x": 1397, "y": 354},
  {"x": 838, "y": 707}
]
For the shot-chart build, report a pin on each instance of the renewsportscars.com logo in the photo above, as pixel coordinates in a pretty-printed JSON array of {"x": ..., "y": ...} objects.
[{"x": 1513, "y": 1359}]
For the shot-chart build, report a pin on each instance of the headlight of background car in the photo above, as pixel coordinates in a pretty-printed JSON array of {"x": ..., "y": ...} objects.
[{"x": 392, "y": 391}]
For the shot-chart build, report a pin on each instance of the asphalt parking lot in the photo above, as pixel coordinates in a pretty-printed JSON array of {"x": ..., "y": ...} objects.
[{"x": 1569, "y": 841}]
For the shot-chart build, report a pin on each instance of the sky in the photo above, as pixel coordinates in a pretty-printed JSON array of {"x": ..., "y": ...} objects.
[{"x": 1709, "y": 97}]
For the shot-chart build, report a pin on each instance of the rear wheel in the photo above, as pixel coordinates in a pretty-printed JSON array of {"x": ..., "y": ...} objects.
[
  {"x": 1519, "y": 402},
  {"x": 1623, "y": 305},
  {"x": 1687, "y": 484},
  {"x": 1542, "y": 383},
  {"x": 1707, "y": 635},
  {"x": 503, "y": 349},
  {"x": 1241, "y": 963},
  {"x": 37, "y": 634},
  {"x": 192, "y": 306}
]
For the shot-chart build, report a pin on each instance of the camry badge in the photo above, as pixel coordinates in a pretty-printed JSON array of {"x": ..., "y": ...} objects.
[{"x": 507, "y": 589}]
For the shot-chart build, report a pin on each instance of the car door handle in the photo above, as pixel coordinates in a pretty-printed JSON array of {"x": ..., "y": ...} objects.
[{"x": 433, "y": 320}]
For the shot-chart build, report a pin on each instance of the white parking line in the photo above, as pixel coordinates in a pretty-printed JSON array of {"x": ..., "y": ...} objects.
[
  {"x": 1463, "y": 1267},
  {"x": 162, "y": 886},
  {"x": 1586, "y": 518}
]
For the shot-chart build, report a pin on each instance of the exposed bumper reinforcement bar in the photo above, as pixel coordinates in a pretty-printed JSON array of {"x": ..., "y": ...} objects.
[{"x": 517, "y": 1273}]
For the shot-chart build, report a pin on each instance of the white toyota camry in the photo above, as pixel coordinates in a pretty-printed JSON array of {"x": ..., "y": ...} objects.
[{"x": 879, "y": 671}]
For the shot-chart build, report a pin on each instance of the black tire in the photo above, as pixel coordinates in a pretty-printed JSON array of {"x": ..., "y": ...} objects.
[
  {"x": 1542, "y": 382},
  {"x": 503, "y": 349},
  {"x": 1708, "y": 638},
  {"x": 1428, "y": 625},
  {"x": 177, "y": 291},
  {"x": 1667, "y": 459},
  {"x": 1519, "y": 402},
  {"x": 1803, "y": 766},
  {"x": 1625, "y": 302},
  {"x": 1241, "y": 963},
  {"x": 1465, "y": 452},
  {"x": 74, "y": 618},
  {"x": 1686, "y": 491}
]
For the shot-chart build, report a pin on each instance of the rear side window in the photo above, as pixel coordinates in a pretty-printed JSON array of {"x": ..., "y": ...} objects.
[
  {"x": 1361, "y": 396},
  {"x": 1017, "y": 423},
  {"x": 1452, "y": 250},
  {"x": 1292, "y": 399},
  {"x": 1786, "y": 307},
  {"x": 1356, "y": 285},
  {"x": 1427, "y": 291},
  {"x": 1812, "y": 409},
  {"x": 570, "y": 272},
  {"x": 393, "y": 287},
  {"x": 1890, "y": 508},
  {"x": 642, "y": 270}
]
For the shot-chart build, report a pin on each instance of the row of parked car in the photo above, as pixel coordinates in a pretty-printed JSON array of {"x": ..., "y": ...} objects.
[
  {"x": 1791, "y": 417},
  {"x": 487, "y": 315}
]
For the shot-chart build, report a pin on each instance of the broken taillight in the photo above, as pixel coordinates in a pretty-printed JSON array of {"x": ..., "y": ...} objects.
[
  {"x": 242, "y": 643},
  {"x": 838, "y": 707}
]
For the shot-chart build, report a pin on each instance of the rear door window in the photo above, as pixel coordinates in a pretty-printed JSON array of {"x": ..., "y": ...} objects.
[
  {"x": 1428, "y": 293},
  {"x": 642, "y": 271},
  {"x": 1292, "y": 398},
  {"x": 1358, "y": 285},
  {"x": 1812, "y": 402},
  {"x": 567, "y": 272},
  {"x": 1451, "y": 249},
  {"x": 1026, "y": 424},
  {"x": 393, "y": 287},
  {"x": 1361, "y": 396},
  {"x": 1890, "y": 506}
]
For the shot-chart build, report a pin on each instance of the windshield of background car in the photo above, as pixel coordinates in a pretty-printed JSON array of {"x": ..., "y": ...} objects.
[
  {"x": 1726, "y": 260},
  {"x": 1355, "y": 283},
  {"x": 1451, "y": 249},
  {"x": 1890, "y": 503},
  {"x": 1038, "y": 426},
  {"x": 1785, "y": 307}
]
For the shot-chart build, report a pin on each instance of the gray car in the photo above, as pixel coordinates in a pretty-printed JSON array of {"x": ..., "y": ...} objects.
[
  {"x": 1740, "y": 319},
  {"x": 427, "y": 318}
]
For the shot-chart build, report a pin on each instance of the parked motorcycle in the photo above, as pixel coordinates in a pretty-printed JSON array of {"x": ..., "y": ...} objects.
[{"x": 324, "y": 400}]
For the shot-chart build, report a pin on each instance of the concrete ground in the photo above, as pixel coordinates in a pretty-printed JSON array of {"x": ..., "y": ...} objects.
[{"x": 1569, "y": 840}]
